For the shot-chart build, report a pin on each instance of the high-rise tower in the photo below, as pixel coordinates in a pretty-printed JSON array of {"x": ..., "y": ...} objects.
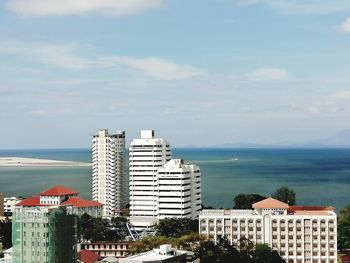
[
  {"x": 108, "y": 171},
  {"x": 146, "y": 155}
]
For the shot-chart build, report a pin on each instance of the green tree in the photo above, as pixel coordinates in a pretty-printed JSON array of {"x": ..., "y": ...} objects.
[
  {"x": 263, "y": 253},
  {"x": 245, "y": 201},
  {"x": 285, "y": 195},
  {"x": 6, "y": 233},
  {"x": 207, "y": 252},
  {"x": 344, "y": 229},
  {"x": 176, "y": 227}
]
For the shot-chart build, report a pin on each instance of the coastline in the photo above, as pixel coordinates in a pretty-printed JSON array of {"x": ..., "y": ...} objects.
[{"x": 34, "y": 162}]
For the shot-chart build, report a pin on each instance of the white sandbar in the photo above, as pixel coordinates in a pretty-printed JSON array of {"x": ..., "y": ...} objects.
[{"x": 31, "y": 162}]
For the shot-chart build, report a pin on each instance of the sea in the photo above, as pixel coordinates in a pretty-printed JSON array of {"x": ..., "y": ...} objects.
[{"x": 318, "y": 176}]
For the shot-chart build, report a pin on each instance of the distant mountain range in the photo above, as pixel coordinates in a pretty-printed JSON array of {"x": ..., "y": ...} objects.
[{"x": 340, "y": 140}]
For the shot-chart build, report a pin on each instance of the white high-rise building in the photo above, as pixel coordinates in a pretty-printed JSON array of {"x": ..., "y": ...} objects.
[
  {"x": 161, "y": 187},
  {"x": 179, "y": 189},
  {"x": 146, "y": 155},
  {"x": 108, "y": 171}
]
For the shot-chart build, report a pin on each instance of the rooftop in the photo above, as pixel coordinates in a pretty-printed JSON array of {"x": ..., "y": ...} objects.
[
  {"x": 80, "y": 202},
  {"x": 270, "y": 203},
  {"x": 59, "y": 190}
]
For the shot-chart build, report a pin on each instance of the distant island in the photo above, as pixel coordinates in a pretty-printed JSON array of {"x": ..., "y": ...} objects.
[{"x": 31, "y": 162}]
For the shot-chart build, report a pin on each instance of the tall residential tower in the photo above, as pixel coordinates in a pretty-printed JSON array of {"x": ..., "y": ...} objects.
[
  {"x": 146, "y": 155},
  {"x": 108, "y": 171}
]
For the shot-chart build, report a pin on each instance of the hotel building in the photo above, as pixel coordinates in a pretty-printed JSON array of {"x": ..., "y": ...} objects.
[
  {"x": 160, "y": 187},
  {"x": 179, "y": 190},
  {"x": 108, "y": 171},
  {"x": 301, "y": 234},
  {"x": 146, "y": 156},
  {"x": 45, "y": 227}
]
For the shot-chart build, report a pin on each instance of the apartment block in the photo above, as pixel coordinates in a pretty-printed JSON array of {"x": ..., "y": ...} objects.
[
  {"x": 301, "y": 234},
  {"x": 45, "y": 227},
  {"x": 108, "y": 171}
]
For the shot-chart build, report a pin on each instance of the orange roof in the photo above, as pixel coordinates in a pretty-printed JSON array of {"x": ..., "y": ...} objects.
[
  {"x": 270, "y": 203},
  {"x": 80, "y": 202},
  {"x": 31, "y": 201},
  {"x": 88, "y": 256},
  {"x": 59, "y": 190},
  {"x": 345, "y": 258}
]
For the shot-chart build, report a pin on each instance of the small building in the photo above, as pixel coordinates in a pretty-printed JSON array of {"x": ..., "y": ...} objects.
[
  {"x": 10, "y": 203},
  {"x": 165, "y": 254},
  {"x": 87, "y": 256},
  {"x": 118, "y": 249},
  {"x": 2, "y": 196}
]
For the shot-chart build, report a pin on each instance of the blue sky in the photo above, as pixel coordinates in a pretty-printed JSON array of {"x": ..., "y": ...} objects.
[{"x": 198, "y": 72}]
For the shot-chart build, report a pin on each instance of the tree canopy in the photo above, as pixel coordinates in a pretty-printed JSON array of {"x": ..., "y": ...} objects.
[
  {"x": 344, "y": 229},
  {"x": 284, "y": 194},
  {"x": 6, "y": 233},
  {"x": 176, "y": 227},
  {"x": 224, "y": 252},
  {"x": 245, "y": 201}
]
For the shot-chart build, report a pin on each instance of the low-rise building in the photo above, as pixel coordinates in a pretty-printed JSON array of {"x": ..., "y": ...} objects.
[
  {"x": 165, "y": 254},
  {"x": 118, "y": 249},
  {"x": 301, "y": 234},
  {"x": 9, "y": 204}
]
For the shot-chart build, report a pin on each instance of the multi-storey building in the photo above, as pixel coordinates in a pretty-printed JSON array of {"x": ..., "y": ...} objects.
[
  {"x": 45, "y": 227},
  {"x": 9, "y": 204},
  {"x": 301, "y": 234},
  {"x": 146, "y": 155},
  {"x": 108, "y": 171},
  {"x": 160, "y": 187},
  {"x": 179, "y": 190}
]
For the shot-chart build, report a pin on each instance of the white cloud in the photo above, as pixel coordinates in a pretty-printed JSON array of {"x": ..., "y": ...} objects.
[
  {"x": 345, "y": 27},
  {"x": 77, "y": 7},
  {"x": 303, "y": 7},
  {"x": 159, "y": 68},
  {"x": 268, "y": 74},
  {"x": 64, "y": 57},
  {"x": 59, "y": 56}
]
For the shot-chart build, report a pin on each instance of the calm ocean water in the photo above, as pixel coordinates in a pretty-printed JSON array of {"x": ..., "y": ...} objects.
[{"x": 319, "y": 176}]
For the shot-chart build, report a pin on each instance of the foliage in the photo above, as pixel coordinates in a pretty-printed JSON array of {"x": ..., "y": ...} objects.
[
  {"x": 184, "y": 242},
  {"x": 285, "y": 195},
  {"x": 245, "y": 201},
  {"x": 223, "y": 252},
  {"x": 344, "y": 229},
  {"x": 176, "y": 227},
  {"x": 6, "y": 233},
  {"x": 96, "y": 229}
]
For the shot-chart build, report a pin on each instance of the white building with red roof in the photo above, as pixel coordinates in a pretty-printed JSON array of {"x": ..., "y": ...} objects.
[
  {"x": 301, "y": 234},
  {"x": 45, "y": 227}
]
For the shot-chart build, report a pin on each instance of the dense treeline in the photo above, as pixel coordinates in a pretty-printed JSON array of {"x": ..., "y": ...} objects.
[
  {"x": 248, "y": 252},
  {"x": 6, "y": 233}
]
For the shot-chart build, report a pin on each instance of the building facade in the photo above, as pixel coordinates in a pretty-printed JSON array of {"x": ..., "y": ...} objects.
[
  {"x": 301, "y": 234},
  {"x": 179, "y": 190},
  {"x": 10, "y": 202},
  {"x": 118, "y": 249},
  {"x": 146, "y": 155},
  {"x": 108, "y": 171},
  {"x": 45, "y": 227},
  {"x": 161, "y": 187}
]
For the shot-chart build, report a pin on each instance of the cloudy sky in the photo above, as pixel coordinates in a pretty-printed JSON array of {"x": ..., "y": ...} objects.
[{"x": 200, "y": 72}]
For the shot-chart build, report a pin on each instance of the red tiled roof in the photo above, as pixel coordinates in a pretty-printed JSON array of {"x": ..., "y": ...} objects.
[
  {"x": 59, "y": 190},
  {"x": 310, "y": 208},
  {"x": 80, "y": 202},
  {"x": 88, "y": 256},
  {"x": 30, "y": 201},
  {"x": 345, "y": 258},
  {"x": 270, "y": 203}
]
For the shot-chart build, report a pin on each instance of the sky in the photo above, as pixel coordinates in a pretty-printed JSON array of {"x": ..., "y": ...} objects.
[{"x": 198, "y": 72}]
